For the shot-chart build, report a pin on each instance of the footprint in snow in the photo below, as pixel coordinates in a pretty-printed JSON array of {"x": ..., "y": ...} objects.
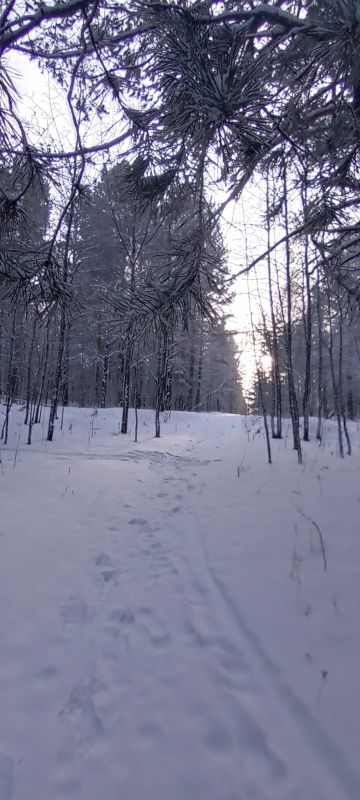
[
  {"x": 74, "y": 614},
  {"x": 47, "y": 673},
  {"x": 104, "y": 560},
  {"x": 138, "y": 521},
  {"x": 109, "y": 571},
  {"x": 156, "y": 630},
  {"x": 80, "y": 711},
  {"x": 66, "y": 780},
  {"x": 120, "y": 620},
  {"x": 122, "y": 615}
]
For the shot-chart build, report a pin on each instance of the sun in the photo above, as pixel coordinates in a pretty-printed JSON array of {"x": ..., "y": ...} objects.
[{"x": 266, "y": 363}]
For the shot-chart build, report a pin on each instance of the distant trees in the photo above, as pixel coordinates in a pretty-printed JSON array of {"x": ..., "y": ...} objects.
[
  {"x": 100, "y": 342},
  {"x": 325, "y": 355}
]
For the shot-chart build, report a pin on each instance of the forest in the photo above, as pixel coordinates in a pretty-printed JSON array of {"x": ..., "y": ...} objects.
[
  {"x": 115, "y": 279},
  {"x": 179, "y": 399}
]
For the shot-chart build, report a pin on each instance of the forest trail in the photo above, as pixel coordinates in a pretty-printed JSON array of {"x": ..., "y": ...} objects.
[{"x": 130, "y": 667}]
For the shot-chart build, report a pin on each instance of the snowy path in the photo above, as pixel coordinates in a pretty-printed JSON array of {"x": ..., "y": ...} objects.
[{"x": 128, "y": 666}]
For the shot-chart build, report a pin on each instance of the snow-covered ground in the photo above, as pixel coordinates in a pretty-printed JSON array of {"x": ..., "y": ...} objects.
[{"x": 167, "y": 628}]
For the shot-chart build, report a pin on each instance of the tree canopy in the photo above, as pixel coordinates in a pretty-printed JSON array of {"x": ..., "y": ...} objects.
[{"x": 201, "y": 90}]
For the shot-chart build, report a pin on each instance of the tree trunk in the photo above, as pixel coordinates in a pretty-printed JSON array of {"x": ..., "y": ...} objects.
[
  {"x": 162, "y": 372},
  {"x": 126, "y": 391},
  {"x": 11, "y": 382},
  {"x": 43, "y": 375},
  {"x": 308, "y": 331},
  {"x": 65, "y": 382},
  {"x": 263, "y": 409},
  {"x": 340, "y": 380},
  {"x": 189, "y": 401},
  {"x": 57, "y": 377},
  {"x": 28, "y": 376},
  {"x": 105, "y": 375},
  {"x": 320, "y": 364},
  {"x": 333, "y": 379},
  {"x": 199, "y": 374},
  {"x": 293, "y": 405},
  {"x": 276, "y": 382}
]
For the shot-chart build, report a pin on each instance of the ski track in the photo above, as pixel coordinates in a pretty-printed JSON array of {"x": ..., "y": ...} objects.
[{"x": 162, "y": 637}]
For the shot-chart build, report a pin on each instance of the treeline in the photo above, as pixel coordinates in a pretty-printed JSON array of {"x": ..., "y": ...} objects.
[
  {"x": 306, "y": 333},
  {"x": 82, "y": 333}
]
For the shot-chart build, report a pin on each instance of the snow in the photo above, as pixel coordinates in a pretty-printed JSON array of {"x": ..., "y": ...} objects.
[{"x": 167, "y": 627}]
